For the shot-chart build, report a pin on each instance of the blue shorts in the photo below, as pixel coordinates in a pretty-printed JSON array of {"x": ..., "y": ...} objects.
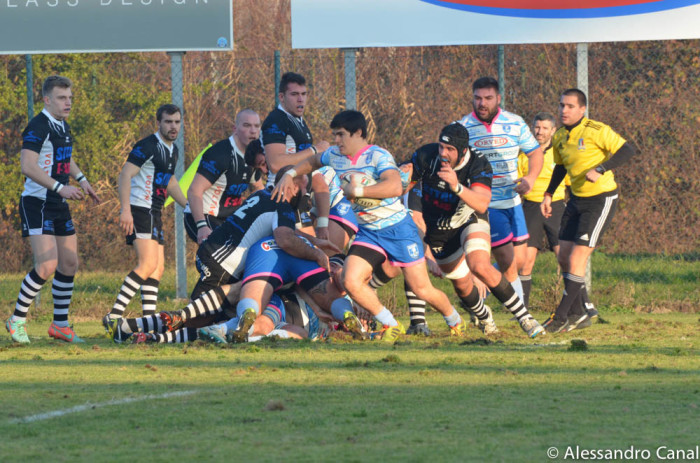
[
  {"x": 399, "y": 243},
  {"x": 343, "y": 214},
  {"x": 508, "y": 225},
  {"x": 266, "y": 261}
]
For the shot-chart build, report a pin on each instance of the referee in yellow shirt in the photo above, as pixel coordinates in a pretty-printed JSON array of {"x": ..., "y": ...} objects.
[
  {"x": 588, "y": 151},
  {"x": 543, "y": 127}
]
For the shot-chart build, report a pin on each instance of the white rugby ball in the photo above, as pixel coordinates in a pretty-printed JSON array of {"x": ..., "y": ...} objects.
[{"x": 357, "y": 179}]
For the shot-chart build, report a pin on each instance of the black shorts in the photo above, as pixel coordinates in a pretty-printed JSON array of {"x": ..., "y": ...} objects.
[
  {"x": 39, "y": 217},
  {"x": 211, "y": 273},
  {"x": 539, "y": 227},
  {"x": 191, "y": 225},
  {"x": 148, "y": 225},
  {"x": 585, "y": 219},
  {"x": 446, "y": 245}
]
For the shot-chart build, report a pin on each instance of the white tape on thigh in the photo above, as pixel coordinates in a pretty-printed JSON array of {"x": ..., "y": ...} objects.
[
  {"x": 461, "y": 271},
  {"x": 477, "y": 244}
]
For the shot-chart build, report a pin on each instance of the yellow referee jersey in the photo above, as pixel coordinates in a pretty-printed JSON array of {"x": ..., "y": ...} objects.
[
  {"x": 589, "y": 144},
  {"x": 542, "y": 182}
]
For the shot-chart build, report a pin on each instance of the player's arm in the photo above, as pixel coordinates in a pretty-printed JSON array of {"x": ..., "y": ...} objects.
[
  {"x": 388, "y": 186},
  {"x": 535, "y": 162},
  {"x": 175, "y": 191},
  {"x": 322, "y": 201},
  {"x": 195, "y": 196},
  {"x": 322, "y": 243},
  {"x": 277, "y": 157},
  {"x": 558, "y": 175},
  {"x": 619, "y": 157},
  {"x": 76, "y": 173},
  {"x": 477, "y": 196},
  {"x": 290, "y": 243},
  {"x": 29, "y": 163},
  {"x": 284, "y": 189},
  {"x": 126, "y": 220}
]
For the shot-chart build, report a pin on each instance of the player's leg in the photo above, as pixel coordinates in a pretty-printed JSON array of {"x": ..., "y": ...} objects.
[
  {"x": 45, "y": 262},
  {"x": 150, "y": 287},
  {"x": 255, "y": 293},
  {"x": 62, "y": 287},
  {"x": 147, "y": 252},
  {"x": 477, "y": 250}
]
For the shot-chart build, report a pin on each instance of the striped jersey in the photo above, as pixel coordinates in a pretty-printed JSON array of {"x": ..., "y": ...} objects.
[
  {"x": 53, "y": 141},
  {"x": 501, "y": 141},
  {"x": 371, "y": 161},
  {"x": 156, "y": 160}
]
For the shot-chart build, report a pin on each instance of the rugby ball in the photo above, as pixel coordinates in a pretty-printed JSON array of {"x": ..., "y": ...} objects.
[{"x": 357, "y": 178}]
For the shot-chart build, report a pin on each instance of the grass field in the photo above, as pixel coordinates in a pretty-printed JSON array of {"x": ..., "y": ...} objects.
[{"x": 633, "y": 382}]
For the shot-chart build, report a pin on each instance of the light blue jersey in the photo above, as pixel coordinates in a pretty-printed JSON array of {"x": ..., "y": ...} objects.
[
  {"x": 371, "y": 161},
  {"x": 333, "y": 182},
  {"x": 501, "y": 142}
]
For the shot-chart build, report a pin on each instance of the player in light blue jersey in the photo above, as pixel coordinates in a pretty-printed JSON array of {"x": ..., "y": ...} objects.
[
  {"x": 501, "y": 136},
  {"x": 372, "y": 182}
]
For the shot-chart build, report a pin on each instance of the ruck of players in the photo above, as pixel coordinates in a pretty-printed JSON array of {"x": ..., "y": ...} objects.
[{"x": 295, "y": 234}]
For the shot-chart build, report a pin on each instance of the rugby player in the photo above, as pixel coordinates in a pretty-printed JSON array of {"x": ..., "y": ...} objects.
[
  {"x": 221, "y": 179},
  {"x": 287, "y": 141},
  {"x": 145, "y": 181},
  {"x": 386, "y": 232},
  {"x": 456, "y": 190},
  {"x": 544, "y": 125},
  {"x": 47, "y": 163},
  {"x": 588, "y": 151},
  {"x": 500, "y": 136}
]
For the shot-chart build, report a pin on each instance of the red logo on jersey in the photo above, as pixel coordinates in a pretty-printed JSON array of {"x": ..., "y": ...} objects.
[
  {"x": 562, "y": 8},
  {"x": 492, "y": 142}
]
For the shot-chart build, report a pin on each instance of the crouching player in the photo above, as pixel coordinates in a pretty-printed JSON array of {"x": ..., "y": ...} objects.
[{"x": 456, "y": 185}]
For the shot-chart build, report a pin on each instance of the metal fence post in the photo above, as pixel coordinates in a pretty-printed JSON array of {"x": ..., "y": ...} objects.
[
  {"x": 582, "y": 84},
  {"x": 277, "y": 77},
  {"x": 180, "y": 247},
  {"x": 502, "y": 73},
  {"x": 350, "y": 78}
]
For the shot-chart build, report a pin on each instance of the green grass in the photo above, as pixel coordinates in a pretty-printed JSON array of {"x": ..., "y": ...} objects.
[{"x": 634, "y": 381}]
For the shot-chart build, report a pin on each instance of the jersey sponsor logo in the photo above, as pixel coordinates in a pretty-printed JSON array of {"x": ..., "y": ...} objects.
[
  {"x": 30, "y": 137},
  {"x": 491, "y": 142},
  {"x": 581, "y": 145},
  {"x": 269, "y": 245},
  {"x": 562, "y": 8},
  {"x": 273, "y": 129},
  {"x": 138, "y": 152}
]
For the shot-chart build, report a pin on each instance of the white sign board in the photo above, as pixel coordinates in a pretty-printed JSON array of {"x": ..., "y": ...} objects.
[
  {"x": 382, "y": 23},
  {"x": 84, "y": 26}
]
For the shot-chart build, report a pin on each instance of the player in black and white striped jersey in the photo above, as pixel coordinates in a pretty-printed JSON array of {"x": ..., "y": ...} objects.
[
  {"x": 145, "y": 182},
  {"x": 47, "y": 163},
  {"x": 222, "y": 179}
]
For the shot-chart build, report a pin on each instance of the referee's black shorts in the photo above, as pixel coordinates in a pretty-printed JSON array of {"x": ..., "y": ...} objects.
[
  {"x": 586, "y": 219},
  {"x": 539, "y": 227}
]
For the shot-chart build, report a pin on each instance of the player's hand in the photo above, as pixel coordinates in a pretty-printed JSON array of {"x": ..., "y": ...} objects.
[
  {"x": 433, "y": 267},
  {"x": 593, "y": 176},
  {"x": 349, "y": 191},
  {"x": 481, "y": 287},
  {"x": 327, "y": 246},
  {"x": 322, "y": 146},
  {"x": 322, "y": 233},
  {"x": 448, "y": 175},
  {"x": 523, "y": 185},
  {"x": 85, "y": 185},
  {"x": 322, "y": 260},
  {"x": 202, "y": 234},
  {"x": 126, "y": 221},
  {"x": 284, "y": 189},
  {"x": 71, "y": 192},
  {"x": 546, "y": 206}
]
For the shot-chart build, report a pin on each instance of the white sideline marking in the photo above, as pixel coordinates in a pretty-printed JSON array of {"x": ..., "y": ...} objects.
[{"x": 90, "y": 406}]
